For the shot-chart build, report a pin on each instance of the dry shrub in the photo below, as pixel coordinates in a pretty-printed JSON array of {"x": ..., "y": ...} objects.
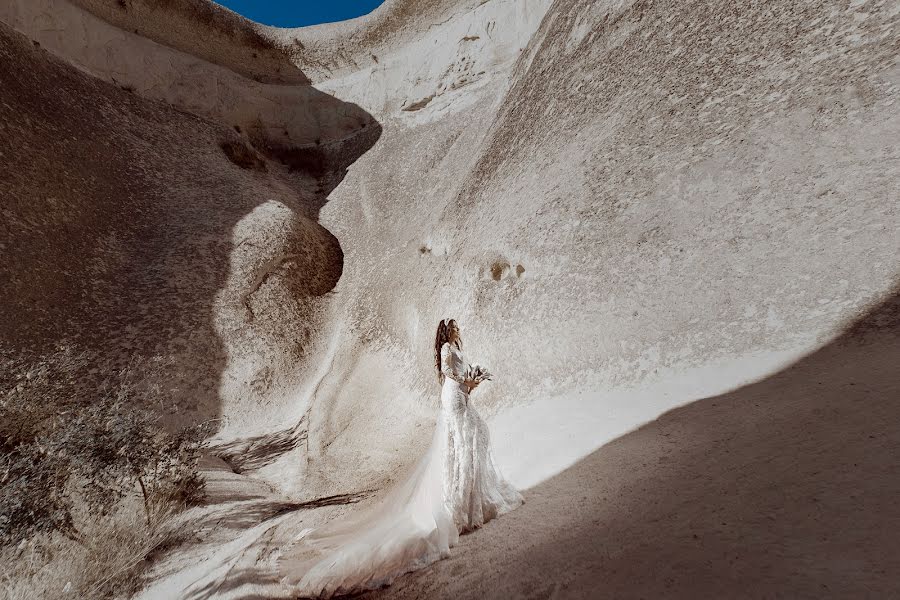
[
  {"x": 106, "y": 562},
  {"x": 86, "y": 491},
  {"x": 96, "y": 455}
]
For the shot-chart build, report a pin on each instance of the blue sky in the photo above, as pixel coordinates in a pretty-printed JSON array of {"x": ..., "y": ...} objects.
[{"x": 298, "y": 13}]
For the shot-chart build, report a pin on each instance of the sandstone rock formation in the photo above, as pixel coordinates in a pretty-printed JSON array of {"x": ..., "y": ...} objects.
[
  {"x": 628, "y": 206},
  {"x": 139, "y": 233}
]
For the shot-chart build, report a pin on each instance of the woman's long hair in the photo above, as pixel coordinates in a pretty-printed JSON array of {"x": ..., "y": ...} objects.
[{"x": 441, "y": 337}]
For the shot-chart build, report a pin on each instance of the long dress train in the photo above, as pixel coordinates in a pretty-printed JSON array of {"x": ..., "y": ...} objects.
[{"x": 453, "y": 488}]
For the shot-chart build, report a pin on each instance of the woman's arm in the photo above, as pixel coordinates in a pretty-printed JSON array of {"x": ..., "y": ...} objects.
[{"x": 447, "y": 369}]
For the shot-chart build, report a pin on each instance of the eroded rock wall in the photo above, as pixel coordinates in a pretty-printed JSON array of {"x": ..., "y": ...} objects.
[
  {"x": 160, "y": 219},
  {"x": 683, "y": 182},
  {"x": 604, "y": 194},
  {"x": 645, "y": 190}
]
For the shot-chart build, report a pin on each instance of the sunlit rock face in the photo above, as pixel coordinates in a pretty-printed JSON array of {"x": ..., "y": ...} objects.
[
  {"x": 633, "y": 195},
  {"x": 606, "y": 195}
]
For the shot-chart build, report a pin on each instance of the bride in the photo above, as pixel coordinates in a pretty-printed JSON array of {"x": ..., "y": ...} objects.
[{"x": 453, "y": 488}]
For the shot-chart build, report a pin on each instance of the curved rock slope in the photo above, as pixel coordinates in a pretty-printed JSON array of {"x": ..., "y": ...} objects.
[
  {"x": 643, "y": 206},
  {"x": 628, "y": 206},
  {"x": 160, "y": 218}
]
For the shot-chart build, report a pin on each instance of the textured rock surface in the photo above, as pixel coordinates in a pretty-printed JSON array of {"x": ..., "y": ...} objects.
[
  {"x": 660, "y": 188},
  {"x": 627, "y": 205},
  {"x": 203, "y": 29},
  {"x": 138, "y": 236}
]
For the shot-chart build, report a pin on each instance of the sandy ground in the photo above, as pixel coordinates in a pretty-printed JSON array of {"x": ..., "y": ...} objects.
[{"x": 785, "y": 488}]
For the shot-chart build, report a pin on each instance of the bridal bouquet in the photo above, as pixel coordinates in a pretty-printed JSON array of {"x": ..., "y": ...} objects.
[{"x": 476, "y": 372}]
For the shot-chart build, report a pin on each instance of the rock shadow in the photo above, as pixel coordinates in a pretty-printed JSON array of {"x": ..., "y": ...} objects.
[
  {"x": 786, "y": 487},
  {"x": 243, "y": 515},
  {"x": 118, "y": 233},
  {"x": 252, "y": 453}
]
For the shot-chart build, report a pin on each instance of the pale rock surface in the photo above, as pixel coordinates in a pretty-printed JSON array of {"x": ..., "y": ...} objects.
[{"x": 628, "y": 207}]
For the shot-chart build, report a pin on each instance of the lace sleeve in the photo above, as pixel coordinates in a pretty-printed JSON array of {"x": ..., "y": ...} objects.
[{"x": 446, "y": 367}]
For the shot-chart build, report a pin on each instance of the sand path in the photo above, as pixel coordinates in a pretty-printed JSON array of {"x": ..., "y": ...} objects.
[{"x": 784, "y": 488}]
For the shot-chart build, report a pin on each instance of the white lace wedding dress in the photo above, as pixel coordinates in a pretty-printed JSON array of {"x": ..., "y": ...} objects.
[{"x": 453, "y": 488}]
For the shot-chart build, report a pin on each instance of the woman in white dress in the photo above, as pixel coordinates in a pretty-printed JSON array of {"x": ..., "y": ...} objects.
[{"x": 453, "y": 488}]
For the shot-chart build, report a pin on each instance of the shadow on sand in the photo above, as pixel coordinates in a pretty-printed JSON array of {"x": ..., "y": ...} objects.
[
  {"x": 787, "y": 488},
  {"x": 250, "y": 454},
  {"x": 250, "y": 514}
]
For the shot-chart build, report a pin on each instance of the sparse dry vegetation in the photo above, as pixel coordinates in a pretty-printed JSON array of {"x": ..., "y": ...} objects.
[
  {"x": 106, "y": 560},
  {"x": 87, "y": 492}
]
